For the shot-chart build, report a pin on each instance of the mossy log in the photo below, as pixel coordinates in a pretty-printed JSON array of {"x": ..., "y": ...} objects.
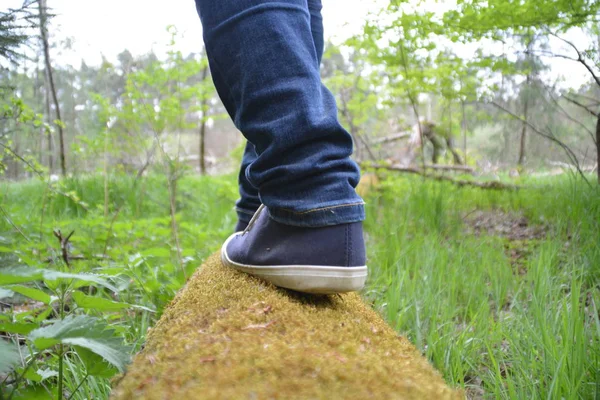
[{"x": 228, "y": 335}]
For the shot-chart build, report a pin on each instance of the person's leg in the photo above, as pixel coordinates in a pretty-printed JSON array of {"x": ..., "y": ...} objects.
[
  {"x": 316, "y": 27},
  {"x": 249, "y": 200},
  {"x": 263, "y": 55}
]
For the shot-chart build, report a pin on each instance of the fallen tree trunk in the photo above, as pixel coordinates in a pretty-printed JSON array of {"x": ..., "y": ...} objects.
[
  {"x": 229, "y": 335},
  {"x": 494, "y": 185}
]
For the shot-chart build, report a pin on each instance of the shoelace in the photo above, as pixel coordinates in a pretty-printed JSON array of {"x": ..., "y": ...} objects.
[{"x": 253, "y": 219}]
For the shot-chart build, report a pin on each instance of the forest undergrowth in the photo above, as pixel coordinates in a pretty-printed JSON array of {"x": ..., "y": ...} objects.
[{"x": 498, "y": 289}]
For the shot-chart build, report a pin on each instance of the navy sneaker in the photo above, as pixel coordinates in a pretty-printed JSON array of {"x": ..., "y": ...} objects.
[
  {"x": 240, "y": 226},
  {"x": 326, "y": 260}
]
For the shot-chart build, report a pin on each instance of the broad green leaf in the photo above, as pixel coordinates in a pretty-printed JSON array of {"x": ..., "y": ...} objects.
[
  {"x": 81, "y": 277},
  {"x": 117, "y": 356},
  {"x": 10, "y": 356},
  {"x": 37, "y": 392},
  {"x": 102, "y": 304},
  {"x": 97, "y": 303},
  {"x": 84, "y": 331},
  {"x": 40, "y": 375},
  {"x": 9, "y": 276},
  {"x": 94, "y": 364},
  {"x": 21, "y": 328},
  {"x": 32, "y": 293}
]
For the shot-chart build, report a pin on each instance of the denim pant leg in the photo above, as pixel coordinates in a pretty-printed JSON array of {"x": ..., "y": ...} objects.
[
  {"x": 263, "y": 55},
  {"x": 316, "y": 27},
  {"x": 249, "y": 200}
]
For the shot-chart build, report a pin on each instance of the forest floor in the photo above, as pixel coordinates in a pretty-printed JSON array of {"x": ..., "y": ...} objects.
[{"x": 498, "y": 289}]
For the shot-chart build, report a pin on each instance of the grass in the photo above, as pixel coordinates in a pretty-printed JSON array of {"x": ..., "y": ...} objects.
[
  {"x": 498, "y": 332},
  {"x": 497, "y": 329}
]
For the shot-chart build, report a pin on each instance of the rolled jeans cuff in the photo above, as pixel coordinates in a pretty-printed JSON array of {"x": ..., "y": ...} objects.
[
  {"x": 244, "y": 215},
  {"x": 325, "y": 216}
]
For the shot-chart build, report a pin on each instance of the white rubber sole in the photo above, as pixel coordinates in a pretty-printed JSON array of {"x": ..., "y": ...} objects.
[{"x": 319, "y": 279}]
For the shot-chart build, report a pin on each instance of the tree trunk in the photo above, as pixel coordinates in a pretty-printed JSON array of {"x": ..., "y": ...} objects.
[
  {"x": 598, "y": 148},
  {"x": 204, "y": 106},
  {"x": 48, "y": 121},
  {"x": 523, "y": 141},
  {"x": 46, "y": 47},
  {"x": 464, "y": 128},
  {"x": 506, "y": 136},
  {"x": 37, "y": 95},
  {"x": 524, "y": 128}
]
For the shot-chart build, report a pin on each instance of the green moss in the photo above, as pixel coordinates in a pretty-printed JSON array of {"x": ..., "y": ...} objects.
[{"x": 229, "y": 335}]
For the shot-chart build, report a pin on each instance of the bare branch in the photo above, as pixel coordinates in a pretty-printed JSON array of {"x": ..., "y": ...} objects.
[
  {"x": 580, "y": 57},
  {"x": 595, "y": 114},
  {"x": 546, "y": 53},
  {"x": 566, "y": 114},
  {"x": 583, "y": 96},
  {"x": 572, "y": 156}
]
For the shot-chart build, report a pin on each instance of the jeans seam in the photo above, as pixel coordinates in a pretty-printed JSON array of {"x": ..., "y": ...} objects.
[
  {"x": 243, "y": 211},
  {"x": 320, "y": 209}
]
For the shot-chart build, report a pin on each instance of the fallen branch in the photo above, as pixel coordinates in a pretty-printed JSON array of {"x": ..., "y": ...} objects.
[
  {"x": 461, "y": 168},
  {"x": 392, "y": 138},
  {"x": 494, "y": 185}
]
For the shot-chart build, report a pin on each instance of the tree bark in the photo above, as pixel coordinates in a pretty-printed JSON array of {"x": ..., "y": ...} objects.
[
  {"x": 202, "y": 144},
  {"x": 598, "y": 148},
  {"x": 46, "y": 47},
  {"x": 49, "y": 121},
  {"x": 524, "y": 126},
  {"x": 464, "y": 129}
]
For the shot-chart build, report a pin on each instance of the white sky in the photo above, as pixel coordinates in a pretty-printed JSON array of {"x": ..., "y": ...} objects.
[
  {"x": 107, "y": 27},
  {"x": 110, "y": 26}
]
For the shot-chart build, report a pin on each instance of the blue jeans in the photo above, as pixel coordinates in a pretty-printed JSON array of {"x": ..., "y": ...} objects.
[{"x": 264, "y": 57}]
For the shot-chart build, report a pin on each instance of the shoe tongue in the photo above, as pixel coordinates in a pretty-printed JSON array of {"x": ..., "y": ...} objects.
[{"x": 254, "y": 218}]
